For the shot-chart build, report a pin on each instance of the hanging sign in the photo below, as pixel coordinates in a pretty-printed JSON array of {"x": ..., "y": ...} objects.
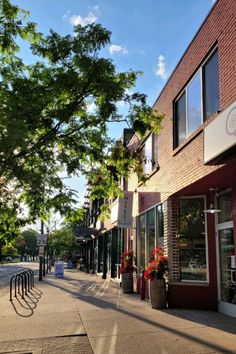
[{"x": 125, "y": 207}]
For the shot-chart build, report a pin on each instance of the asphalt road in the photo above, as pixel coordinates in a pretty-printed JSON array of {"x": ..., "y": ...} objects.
[{"x": 8, "y": 269}]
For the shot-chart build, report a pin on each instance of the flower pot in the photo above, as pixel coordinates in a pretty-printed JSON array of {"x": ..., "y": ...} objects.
[
  {"x": 158, "y": 293},
  {"x": 127, "y": 283}
]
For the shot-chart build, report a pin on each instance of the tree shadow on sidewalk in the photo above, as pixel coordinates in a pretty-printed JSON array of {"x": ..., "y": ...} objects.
[{"x": 85, "y": 291}]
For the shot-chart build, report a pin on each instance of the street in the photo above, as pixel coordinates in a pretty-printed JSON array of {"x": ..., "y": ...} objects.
[{"x": 8, "y": 269}]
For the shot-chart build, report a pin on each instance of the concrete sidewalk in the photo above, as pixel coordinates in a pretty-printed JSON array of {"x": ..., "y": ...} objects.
[{"x": 81, "y": 311}]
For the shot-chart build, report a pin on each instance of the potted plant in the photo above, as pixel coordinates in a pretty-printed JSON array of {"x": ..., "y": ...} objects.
[
  {"x": 126, "y": 271},
  {"x": 155, "y": 271}
]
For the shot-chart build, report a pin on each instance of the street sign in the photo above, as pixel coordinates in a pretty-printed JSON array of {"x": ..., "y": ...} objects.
[
  {"x": 42, "y": 240},
  {"x": 41, "y": 250}
]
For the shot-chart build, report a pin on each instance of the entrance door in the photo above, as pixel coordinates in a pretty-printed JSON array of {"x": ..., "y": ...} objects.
[{"x": 226, "y": 257}]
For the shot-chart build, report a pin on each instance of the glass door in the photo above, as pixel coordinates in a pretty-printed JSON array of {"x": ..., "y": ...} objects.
[{"x": 226, "y": 256}]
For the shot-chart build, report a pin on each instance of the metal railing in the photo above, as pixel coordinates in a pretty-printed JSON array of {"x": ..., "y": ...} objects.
[{"x": 23, "y": 282}]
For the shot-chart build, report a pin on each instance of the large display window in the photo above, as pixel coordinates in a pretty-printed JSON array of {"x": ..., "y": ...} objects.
[
  {"x": 192, "y": 240},
  {"x": 150, "y": 234}
]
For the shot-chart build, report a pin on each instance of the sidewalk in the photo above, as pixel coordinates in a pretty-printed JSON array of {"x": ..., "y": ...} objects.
[{"x": 72, "y": 314}]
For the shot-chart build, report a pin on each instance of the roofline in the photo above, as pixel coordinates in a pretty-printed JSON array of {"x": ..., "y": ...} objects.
[{"x": 175, "y": 68}]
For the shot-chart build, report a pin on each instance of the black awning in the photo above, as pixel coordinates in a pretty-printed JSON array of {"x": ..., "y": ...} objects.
[
  {"x": 85, "y": 231},
  {"x": 83, "y": 238}
]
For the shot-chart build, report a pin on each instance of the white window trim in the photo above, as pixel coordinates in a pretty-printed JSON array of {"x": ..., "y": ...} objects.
[
  {"x": 143, "y": 148},
  {"x": 206, "y": 242}
]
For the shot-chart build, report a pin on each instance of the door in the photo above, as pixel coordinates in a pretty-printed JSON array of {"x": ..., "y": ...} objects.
[{"x": 226, "y": 256}]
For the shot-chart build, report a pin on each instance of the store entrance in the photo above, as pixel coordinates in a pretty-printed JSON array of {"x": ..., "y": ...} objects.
[{"x": 226, "y": 256}]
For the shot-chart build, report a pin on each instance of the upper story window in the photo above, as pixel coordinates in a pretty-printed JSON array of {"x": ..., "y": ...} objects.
[
  {"x": 198, "y": 101},
  {"x": 150, "y": 158}
]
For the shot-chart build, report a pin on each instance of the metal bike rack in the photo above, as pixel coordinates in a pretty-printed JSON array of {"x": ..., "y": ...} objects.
[{"x": 23, "y": 281}]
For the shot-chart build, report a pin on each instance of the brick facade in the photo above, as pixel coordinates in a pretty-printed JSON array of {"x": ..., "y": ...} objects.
[{"x": 182, "y": 170}]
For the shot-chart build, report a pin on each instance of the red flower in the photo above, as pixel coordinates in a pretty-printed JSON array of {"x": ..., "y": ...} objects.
[
  {"x": 157, "y": 266},
  {"x": 127, "y": 262}
]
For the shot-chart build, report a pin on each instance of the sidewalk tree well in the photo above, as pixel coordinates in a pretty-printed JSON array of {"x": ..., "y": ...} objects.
[{"x": 46, "y": 123}]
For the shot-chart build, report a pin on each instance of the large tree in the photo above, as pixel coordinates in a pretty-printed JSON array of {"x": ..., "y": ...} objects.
[
  {"x": 26, "y": 243},
  {"x": 62, "y": 243},
  {"x": 46, "y": 126}
]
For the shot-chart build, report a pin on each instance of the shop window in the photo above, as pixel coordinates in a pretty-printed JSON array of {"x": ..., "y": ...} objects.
[
  {"x": 224, "y": 203},
  {"x": 160, "y": 225},
  {"x": 150, "y": 157},
  {"x": 150, "y": 233},
  {"x": 150, "y": 230},
  {"x": 142, "y": 223},
  {"x": 192, "y": 240},
  {"x": 199, "y": 99}
]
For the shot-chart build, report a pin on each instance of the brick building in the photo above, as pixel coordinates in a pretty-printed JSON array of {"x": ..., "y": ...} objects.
[
  {"x": 188, "y": 203},
  {"x": 192, "y": 171}
]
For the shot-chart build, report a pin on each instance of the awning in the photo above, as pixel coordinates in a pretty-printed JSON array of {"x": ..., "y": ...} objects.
[
  {"x": 83, "y": 238},
  {"x": 80, "y": 230}
]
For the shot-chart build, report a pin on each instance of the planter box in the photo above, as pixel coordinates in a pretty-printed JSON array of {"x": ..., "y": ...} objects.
[
  {"x": 127, "y": 282},
  {"x": 158, "y": 293}
]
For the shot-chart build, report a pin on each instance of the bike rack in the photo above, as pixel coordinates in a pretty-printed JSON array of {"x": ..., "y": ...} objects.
[{"x": 23, "y": 281}]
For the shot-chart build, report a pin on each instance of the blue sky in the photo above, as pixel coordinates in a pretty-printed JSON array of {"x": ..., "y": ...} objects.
[{"x": 150, "y": 35}]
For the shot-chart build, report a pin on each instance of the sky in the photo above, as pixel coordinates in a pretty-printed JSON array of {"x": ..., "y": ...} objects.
[{"x": 149, "y": 36}]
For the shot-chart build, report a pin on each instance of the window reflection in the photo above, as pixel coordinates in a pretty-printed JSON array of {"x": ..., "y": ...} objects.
[
  {"x": 211, "y": 86},
  {"x": 192, "y": 240},
  {"x": 225, "y": 205},
  {"x": 194, "y": 104},
  {"x": 142, "y": 240},
  {"x": 150, "y": 233}
]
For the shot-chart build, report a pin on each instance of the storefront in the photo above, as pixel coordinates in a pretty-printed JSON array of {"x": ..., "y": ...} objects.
[
  {"x": 226, "y": 254},
  {"x": 202, "y": 243}
]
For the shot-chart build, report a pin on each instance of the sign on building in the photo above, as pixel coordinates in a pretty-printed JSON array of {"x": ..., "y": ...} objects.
[
  {"x": 220, "y": 135},
  {"x": 125, "y": 208}
]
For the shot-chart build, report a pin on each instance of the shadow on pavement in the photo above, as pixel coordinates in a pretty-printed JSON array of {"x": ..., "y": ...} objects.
[
  {"x": 86, "y": 292},
  {"x": 25, "y": 307}
]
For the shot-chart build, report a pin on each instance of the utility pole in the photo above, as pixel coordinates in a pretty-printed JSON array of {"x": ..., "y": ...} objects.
[{"x": 41, "y": 256}]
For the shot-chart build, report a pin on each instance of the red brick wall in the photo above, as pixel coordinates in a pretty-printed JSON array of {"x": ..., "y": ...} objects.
[{"x": 184, "y": 165}]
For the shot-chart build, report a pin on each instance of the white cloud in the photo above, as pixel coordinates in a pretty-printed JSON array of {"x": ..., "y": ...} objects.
[
  {"x": 76, "y": 20},
  {"x": 161, "y": 68},
  {"x": 91, "y": 108},
  {"x": 67, "y": 14},
  {"x": 117, "y": 49}
]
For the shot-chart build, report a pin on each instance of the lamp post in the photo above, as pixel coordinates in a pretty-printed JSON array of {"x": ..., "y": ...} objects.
[{"x": 212, "y": 209}]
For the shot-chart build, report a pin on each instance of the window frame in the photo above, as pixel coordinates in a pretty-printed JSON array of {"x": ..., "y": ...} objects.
[
  {"x": 206, "y": 243},
  {"x": 184, "y": 91},
  {"x": 153, "y": 163},
  {"x": 159, "y": 234}
]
